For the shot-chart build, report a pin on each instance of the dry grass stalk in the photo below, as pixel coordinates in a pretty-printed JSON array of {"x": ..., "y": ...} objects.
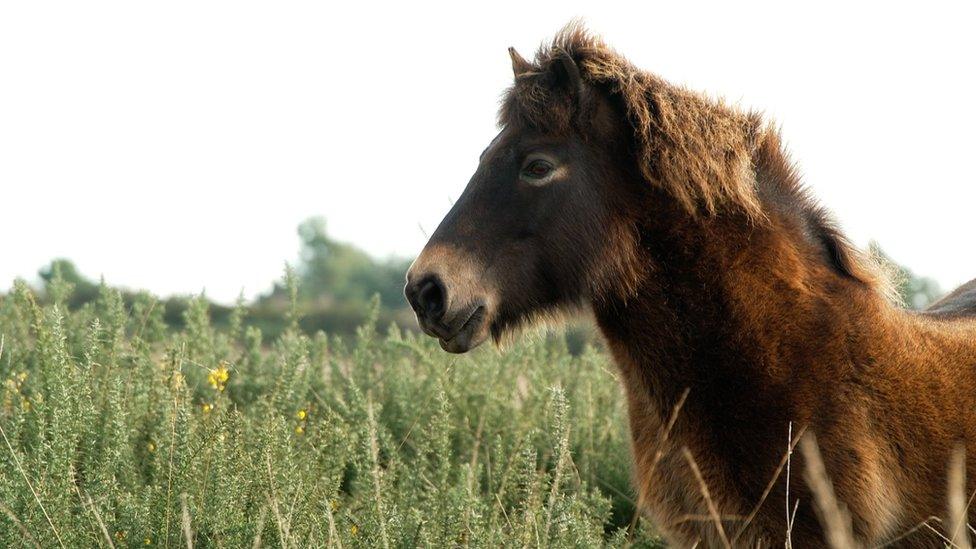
[
  {"x": 261, "y": 518},
  {"x": 772, "y": 481},
  {"x": 958, "y": 528},
  {"x": 27, "y": 537},
  {"x": 101, "y": 523},
  {"x": 375, "y": 454},
  {"x": 90, "y": 507},
  {"x": 712, "y": 509},
  {"x": 789, "y": 524},
  {"x": 187, "y": 531},
  {"x": 30, "y": 486},
  {"x": 283, "y": 532},
  {"x": 920, "y": 526},
  {"x": 662, "y": 439},
  {"x": 835, "y": 520}
]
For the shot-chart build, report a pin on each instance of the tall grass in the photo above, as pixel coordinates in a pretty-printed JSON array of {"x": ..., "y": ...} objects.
[{"x": 118, "y": 432}]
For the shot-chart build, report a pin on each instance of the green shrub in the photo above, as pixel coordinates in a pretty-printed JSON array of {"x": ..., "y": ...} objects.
[{"x": 119, "y": 430}]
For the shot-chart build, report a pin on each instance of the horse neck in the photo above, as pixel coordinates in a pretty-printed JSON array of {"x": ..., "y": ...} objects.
[{"x": 727, "y": 304}]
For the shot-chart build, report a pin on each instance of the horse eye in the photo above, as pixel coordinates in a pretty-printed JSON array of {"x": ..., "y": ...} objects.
[{"x": 537, "y": 169}]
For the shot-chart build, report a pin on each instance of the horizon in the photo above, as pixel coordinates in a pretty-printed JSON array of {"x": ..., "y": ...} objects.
[{"x": 176, "y": 148}]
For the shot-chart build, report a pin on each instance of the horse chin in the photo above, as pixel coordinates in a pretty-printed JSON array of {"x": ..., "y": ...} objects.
[
  {"x": 474, "y": 332},
  {"x": 463, "y": 341},
  {"x": 460, "y": 343}
]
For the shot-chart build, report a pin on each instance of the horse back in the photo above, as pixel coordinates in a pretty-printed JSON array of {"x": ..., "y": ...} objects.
[{"x": 961, "y": 302}]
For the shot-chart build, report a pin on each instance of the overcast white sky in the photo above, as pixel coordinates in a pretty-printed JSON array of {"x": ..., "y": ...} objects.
[{"x": 175, "y": 145}]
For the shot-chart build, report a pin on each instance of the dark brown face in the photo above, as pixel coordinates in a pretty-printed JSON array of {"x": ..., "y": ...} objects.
[
  {"x": 515, "y": 243},
  {"x": 523, "y": 239}
]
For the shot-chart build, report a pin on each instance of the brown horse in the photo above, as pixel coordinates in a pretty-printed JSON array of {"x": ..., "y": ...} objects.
[{"x": 718, "y": 283}]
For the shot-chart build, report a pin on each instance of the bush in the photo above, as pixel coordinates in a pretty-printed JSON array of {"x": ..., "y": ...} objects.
[{"x": 119, "y": 430}]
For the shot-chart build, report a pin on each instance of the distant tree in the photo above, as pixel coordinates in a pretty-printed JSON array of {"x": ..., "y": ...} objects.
[
  {"x": 336, "y": 283},
  {"x": 82, "y": 290},
  {"x": 340, "y": 272}
]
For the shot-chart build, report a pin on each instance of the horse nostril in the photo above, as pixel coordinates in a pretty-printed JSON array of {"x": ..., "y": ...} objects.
[{"x": 429, "y": 299}]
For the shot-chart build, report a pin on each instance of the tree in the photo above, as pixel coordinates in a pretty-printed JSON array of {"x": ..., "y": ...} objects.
[
  {"x": 333, "y": 271},
  {"x": 81, "y": 290}
]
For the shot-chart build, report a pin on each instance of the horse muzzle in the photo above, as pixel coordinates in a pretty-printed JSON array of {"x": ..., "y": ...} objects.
[{"x": 449, "y": 307}]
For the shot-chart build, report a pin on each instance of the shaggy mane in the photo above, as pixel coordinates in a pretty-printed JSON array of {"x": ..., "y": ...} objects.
[{"x": 703, "y": 152}]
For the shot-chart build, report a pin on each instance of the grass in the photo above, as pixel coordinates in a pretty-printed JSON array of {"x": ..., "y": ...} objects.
[{"x": 120, "y": 432}]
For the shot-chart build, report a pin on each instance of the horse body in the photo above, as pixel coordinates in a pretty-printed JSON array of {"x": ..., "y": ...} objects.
[
  {"x": 736, "y": 311},
  {"x": 961, "y": 302},
  {"x": 887, "y": 392}
]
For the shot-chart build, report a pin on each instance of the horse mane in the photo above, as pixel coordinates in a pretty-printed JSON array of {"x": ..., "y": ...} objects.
[
  {"x": 780, "y": 188},
  {"x": 701, "y": 151}
]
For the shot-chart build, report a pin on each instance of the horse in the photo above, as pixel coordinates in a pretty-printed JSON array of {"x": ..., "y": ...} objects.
[{"x": 737, "y": 312}]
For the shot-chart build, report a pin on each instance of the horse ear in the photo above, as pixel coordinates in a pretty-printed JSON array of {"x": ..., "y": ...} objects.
[
  {"x": 519, "y": 65},
  {"x": 567, "y": 73}
]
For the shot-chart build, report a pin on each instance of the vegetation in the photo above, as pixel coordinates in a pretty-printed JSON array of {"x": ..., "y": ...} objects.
[
  {"x": 336, "y": 283},
  {"x": 119, "y": 431}
]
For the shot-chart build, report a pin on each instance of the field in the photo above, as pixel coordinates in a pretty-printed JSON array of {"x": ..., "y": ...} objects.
[{"x": 119, "y": 431}]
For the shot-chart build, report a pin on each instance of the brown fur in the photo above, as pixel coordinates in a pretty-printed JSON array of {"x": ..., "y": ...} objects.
[
  {"x": 710, "y": 270},
  {"x": 961, "y": 302}
]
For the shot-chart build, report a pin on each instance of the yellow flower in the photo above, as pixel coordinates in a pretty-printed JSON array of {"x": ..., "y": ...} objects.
[
  {"x": 22, "y": 376},
  {"x": 302, "y": 414},
  {"x": 26, "y": 405},
  {"x": 147, "y": 541},
  {"x": 151, "y": 447},
  {"x": 299, "y": 430},
  {"x": 207, "y": 407},
  {"x": 334, "y": 504},
  {"x": 354, "y": 529},
  {"x": 217, "y": 378}
]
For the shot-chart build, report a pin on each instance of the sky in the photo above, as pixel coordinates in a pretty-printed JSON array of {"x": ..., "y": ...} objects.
[{"x": 175, "y": 146}]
